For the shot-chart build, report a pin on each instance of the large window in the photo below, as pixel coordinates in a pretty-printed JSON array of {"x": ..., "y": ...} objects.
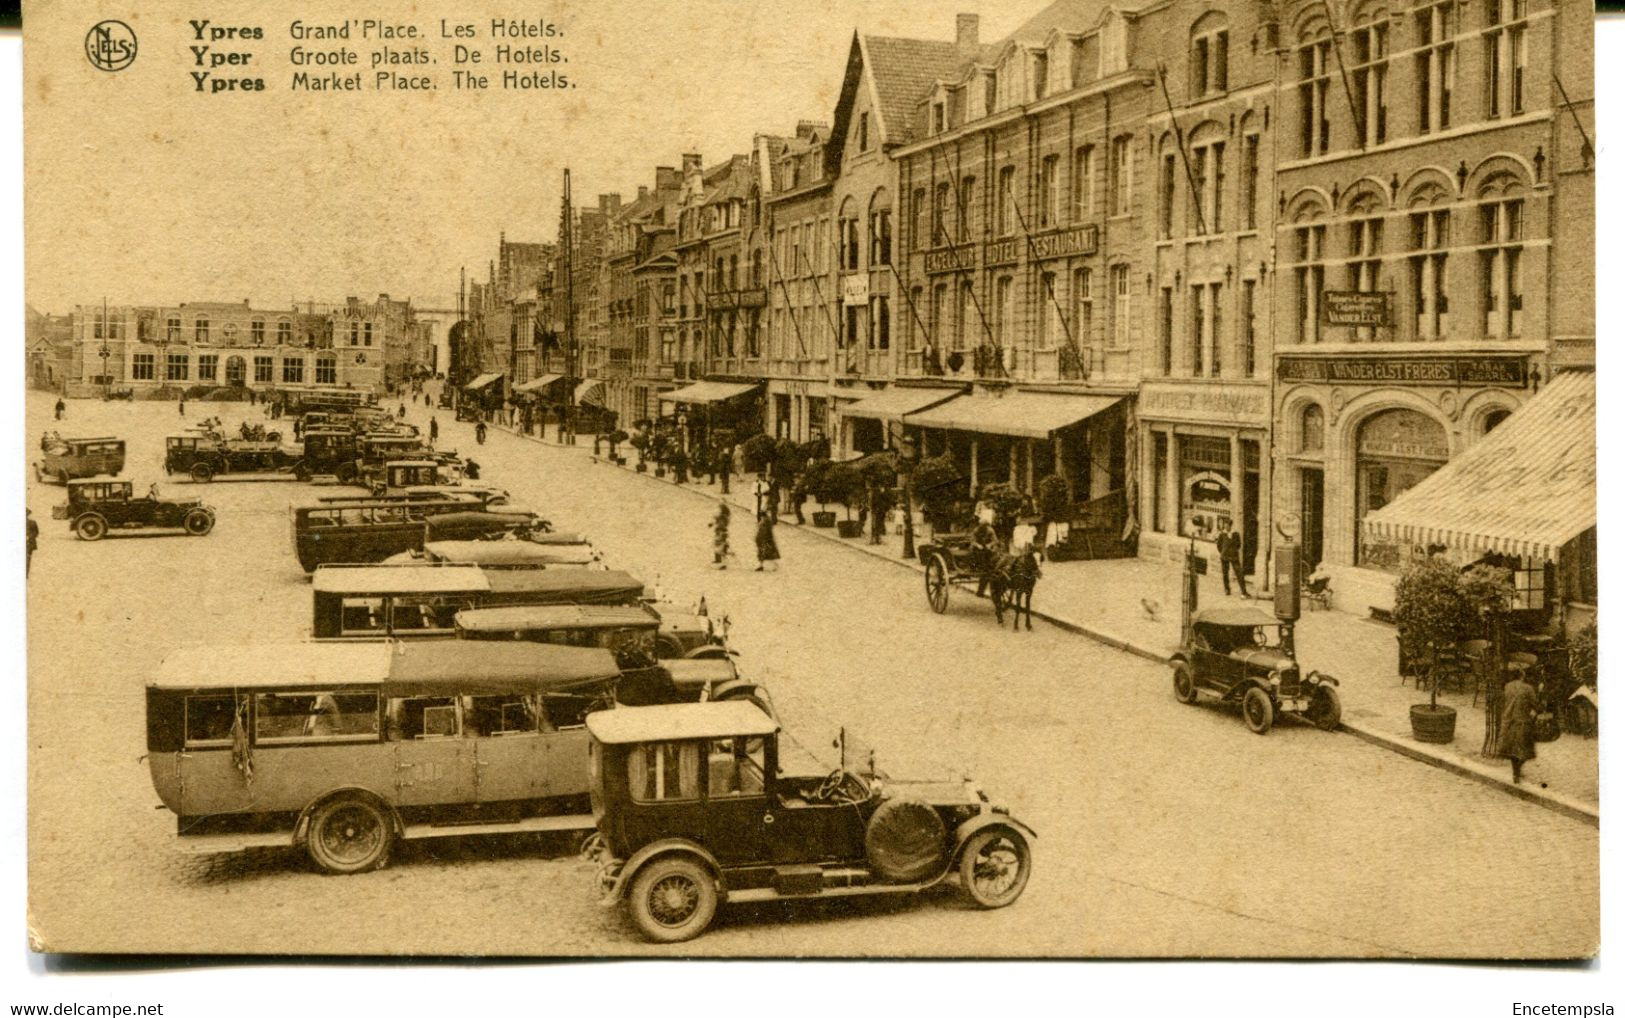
[
  {"x": 969, "y": 316},
  {"x": 940, "y": 310},
  {"x": 207, "y": 365},
  {"x": 293, "y": 369},
  {"x": 284, "y": 333},
  {"x": 1501, "y": 267},
  {"x": 262, "y": 369},
  {"x": 918, "y": 217},
  {"x": 879, "y": 235},
  {"x": 847, "y": 257},
  {"x": 1083, "y": 305},
  {"x": 142, "y": 367},
  {"x": 966, "y": 206},
  {"x": 1122, "y": 301},
  {"x": 256, "y": 331},
  {"x": 1083, "y": 183},
  {"x": 1506, "y": 55},
  {"x": 200, "y": 331},
  {"x": 1210, "y": 58},
  {"x": 1310, "y": 277},
  {"x": 300, "y": 717},
  {"x": 1314, "y": 90},
  {"x": 1049, "y": 312},
  {"x": 1166, "y": 175},
  {"x": 1435, "y": 65},
  {"x": 327, "y": 371},
  {"x": 175, "y": 367},
  {"x": 880, "y": 323},
  {"x": 1207, "y": 329},
  {"x": 1371, "y": 79},
  {"x": 1004, "y": 307},
  {"x": 1007, "y": 201},
  {"x": 1429, "y": 264},
  {"x": 940, "y": 204},
  {"x": 1207, "y": 203},
  {"x": 1249, "y": 182},
  {"x": 172, "y": 328},
  {"x": 1049, "y": 194},
  {"x": 1365, "y": 259},
  {"x": 1122, "y": 174}
]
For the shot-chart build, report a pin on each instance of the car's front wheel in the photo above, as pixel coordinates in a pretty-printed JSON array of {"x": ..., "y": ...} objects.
[
  {"x": 202, "y": 473},
  {"x": 1325, "y": 708},
  {"x": 91, "y": 527},
  {"x": 994, "y": 867},
  {"x": 673, "y": 899},
  {"x": 198, "y": 522},
  {"x": 1184, "y": 683},
  {"x": 1257, "y": 711}
]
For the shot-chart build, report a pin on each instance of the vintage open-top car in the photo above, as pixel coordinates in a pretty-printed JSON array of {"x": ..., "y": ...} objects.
[
  {"x": 1238, "y": 654},
  {"x": 64, "y": 459},
  {"x": 95, "y": 506},
  {"x": 693, "y": 812}
]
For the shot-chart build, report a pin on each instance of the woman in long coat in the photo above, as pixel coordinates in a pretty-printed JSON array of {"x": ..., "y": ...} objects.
[
  {"x": 767, "y": 549},
  {"x": 1517, "y": 742},
  {"x": 719, "y": 537}
]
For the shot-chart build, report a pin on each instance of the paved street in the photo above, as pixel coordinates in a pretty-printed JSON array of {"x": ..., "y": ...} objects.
[{"x": 1162, "y": 830}]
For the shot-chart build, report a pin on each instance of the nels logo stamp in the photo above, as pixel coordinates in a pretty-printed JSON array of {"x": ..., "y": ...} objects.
[{"x": 110, "y": 45}]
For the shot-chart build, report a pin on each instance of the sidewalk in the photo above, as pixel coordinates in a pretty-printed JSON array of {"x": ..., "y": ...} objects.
[{"x": 1133, "y": 605}]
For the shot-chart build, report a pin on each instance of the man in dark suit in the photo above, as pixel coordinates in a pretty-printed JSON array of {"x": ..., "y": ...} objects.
[{"x": 1230, "y": 559}]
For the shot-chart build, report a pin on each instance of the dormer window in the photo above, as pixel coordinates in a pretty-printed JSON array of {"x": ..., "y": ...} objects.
[
  {"x": 939, "y": 117},
  {"x": 1040, "y": 75},
  {"x": 863, "y": 132}
]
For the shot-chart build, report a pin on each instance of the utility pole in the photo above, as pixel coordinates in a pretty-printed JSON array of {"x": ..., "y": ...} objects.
[{"x": 567, "y": 232}]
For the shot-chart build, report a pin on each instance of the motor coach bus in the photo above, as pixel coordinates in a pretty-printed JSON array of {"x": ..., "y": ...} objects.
[
  {"x": 422, "y": 600},
  {"x": 512, "y": 554},
  {"x": 342, "y": 749},
  {"x": 372, "y": 529},
  {"x": 663, "y": 632}
]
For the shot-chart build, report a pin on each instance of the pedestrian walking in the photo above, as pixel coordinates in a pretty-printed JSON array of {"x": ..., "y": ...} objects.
[
  {"x": 767, "y": 549},
  {"x": 798, "y": 495},
  {"x": 479, "y": 432},
  {"x": 1517, "y": 742},
  {"x": 401, "y": 413},
  {"x": 719, "y": 537},
  {"x": 61, "y": 408},
  {"x": 298, "y": 427},
  {"x": 182, "y": 405},
  {"x": 1229, "y": 544},
  {"x": 434, "y": 431},
  {"x": 33, "y": 542}
]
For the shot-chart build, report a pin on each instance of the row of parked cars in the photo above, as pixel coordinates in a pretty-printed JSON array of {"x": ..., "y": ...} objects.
[{"x": 470, "y": 671}]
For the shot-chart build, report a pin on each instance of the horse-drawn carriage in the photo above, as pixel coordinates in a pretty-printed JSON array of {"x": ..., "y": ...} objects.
[{"x": 952, "y": 560}]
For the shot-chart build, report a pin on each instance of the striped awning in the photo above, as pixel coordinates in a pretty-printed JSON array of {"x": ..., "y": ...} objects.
[
  {"x": 891, "y": 404},
  {"x": 1527, "y": 488},
  {"x": 590, "y": 393},
  {"x": 537, "y": 384},
  {"x": 483, "y": 381},
  {"x": 709, "y": 392},
  {"x": 1023, "y": 414}
]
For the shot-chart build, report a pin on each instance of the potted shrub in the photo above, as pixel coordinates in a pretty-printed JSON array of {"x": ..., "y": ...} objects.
[
  {"x": 847, "y": 486},
  {"x": 640, "y": 442},
  {"x": 1055, "y": 506},
  {"x": 757, "y": 453},
  {"x": 816, "y": 481},
  {"x": 1436, "y": 604},
  {"x": 936, "y": 488},
  {"x": 615, "y": 440},
  {"x": 879, "y": 475}
]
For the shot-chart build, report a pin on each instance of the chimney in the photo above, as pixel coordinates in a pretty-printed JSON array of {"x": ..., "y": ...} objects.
[
  {"x": 691, "y": 162},
  {"x": 965, "y": 34},
  {"x": 667, "y": 178},
  {"x": 643, "y": 191}
]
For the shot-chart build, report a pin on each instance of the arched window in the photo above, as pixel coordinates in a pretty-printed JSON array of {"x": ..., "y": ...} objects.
[
  {"x": 1210, "y": 55},
  {"x": 1309, "y": 272},
  {"x": 1312, "y": 429},
  {"x": 1370, "y": 74},
  {"x": 1500, "y": 256},
  {"x": 849, "y": 235},
  {"x": 1315, "y": 67},
  {"x": 1364, "y": 264},
  {"x": 1429, "y": 291}
]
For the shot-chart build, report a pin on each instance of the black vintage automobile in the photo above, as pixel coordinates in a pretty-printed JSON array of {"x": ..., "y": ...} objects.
[
  {"x": 1237, "y": 653},
  {"x": 67, "y": 458},
  {"x": 203, "y": 457},
  {"x": 693, "y": 812},
  {"x": 95, "y": 506}
]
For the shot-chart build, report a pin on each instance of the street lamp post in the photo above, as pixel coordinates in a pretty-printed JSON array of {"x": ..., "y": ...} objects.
[
  {"x": 107, "y": 380},
  {"x": 908, "y": 456}
]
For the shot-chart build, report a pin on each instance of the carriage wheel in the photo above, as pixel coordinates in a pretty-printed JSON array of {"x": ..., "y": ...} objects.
[{"x": 936, "y": 583}]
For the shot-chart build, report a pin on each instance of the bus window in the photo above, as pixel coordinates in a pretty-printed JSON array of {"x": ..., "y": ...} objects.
[
  {"x": 208, "y": 720},
  {"x": 425, "y": 613},
  {"x": 423, "y": 717},
  {"x": 361, "y": 615},
  {"x": 296, "y": 717},
  {"x": 503, "y": 714}
]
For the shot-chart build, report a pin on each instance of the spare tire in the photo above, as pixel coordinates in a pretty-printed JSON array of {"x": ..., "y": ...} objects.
[{"x": 906, "y": 841}]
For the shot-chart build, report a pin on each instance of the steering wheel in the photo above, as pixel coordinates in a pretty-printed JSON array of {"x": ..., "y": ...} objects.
[{"x": 841, "y": 786}]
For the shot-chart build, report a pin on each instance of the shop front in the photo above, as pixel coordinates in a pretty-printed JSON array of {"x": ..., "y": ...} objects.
[
  {"x": 871, "y": 421},
  {"x": 1356, "y": 432},
  {"x": 796, "y": 409},
  {"x": 1206, "y": 462},
  {"x": 706, "y": 407}
]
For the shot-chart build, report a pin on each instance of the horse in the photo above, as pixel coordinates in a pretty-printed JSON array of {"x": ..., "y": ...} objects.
[{"x": 1011, "y": 583}]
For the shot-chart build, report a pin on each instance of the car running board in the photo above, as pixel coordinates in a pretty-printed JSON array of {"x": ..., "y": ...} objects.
[{"x": 572, "y": 822}]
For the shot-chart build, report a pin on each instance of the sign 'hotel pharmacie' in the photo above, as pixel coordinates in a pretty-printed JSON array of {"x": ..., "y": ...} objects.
[
  {"x": 1077, "y": 240},
  {"x": 1511, "y": 372}
]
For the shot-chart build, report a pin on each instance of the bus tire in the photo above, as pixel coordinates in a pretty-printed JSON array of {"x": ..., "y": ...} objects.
[
  {"x": 349, "y": 834},
  {"x": 202, "y": 473}
]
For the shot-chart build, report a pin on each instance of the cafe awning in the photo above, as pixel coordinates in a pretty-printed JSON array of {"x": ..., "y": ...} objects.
[
  {"x": 891, "y": 404},
  {"x": 590, "y": 393},
  {"x": 537, "y": 384},
  {"x": 483, "y": 381},
  {"x": 708, "y": 392},
  {"x": 1525, "y": 489},
  {"x": 1019, "y": 413}
]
